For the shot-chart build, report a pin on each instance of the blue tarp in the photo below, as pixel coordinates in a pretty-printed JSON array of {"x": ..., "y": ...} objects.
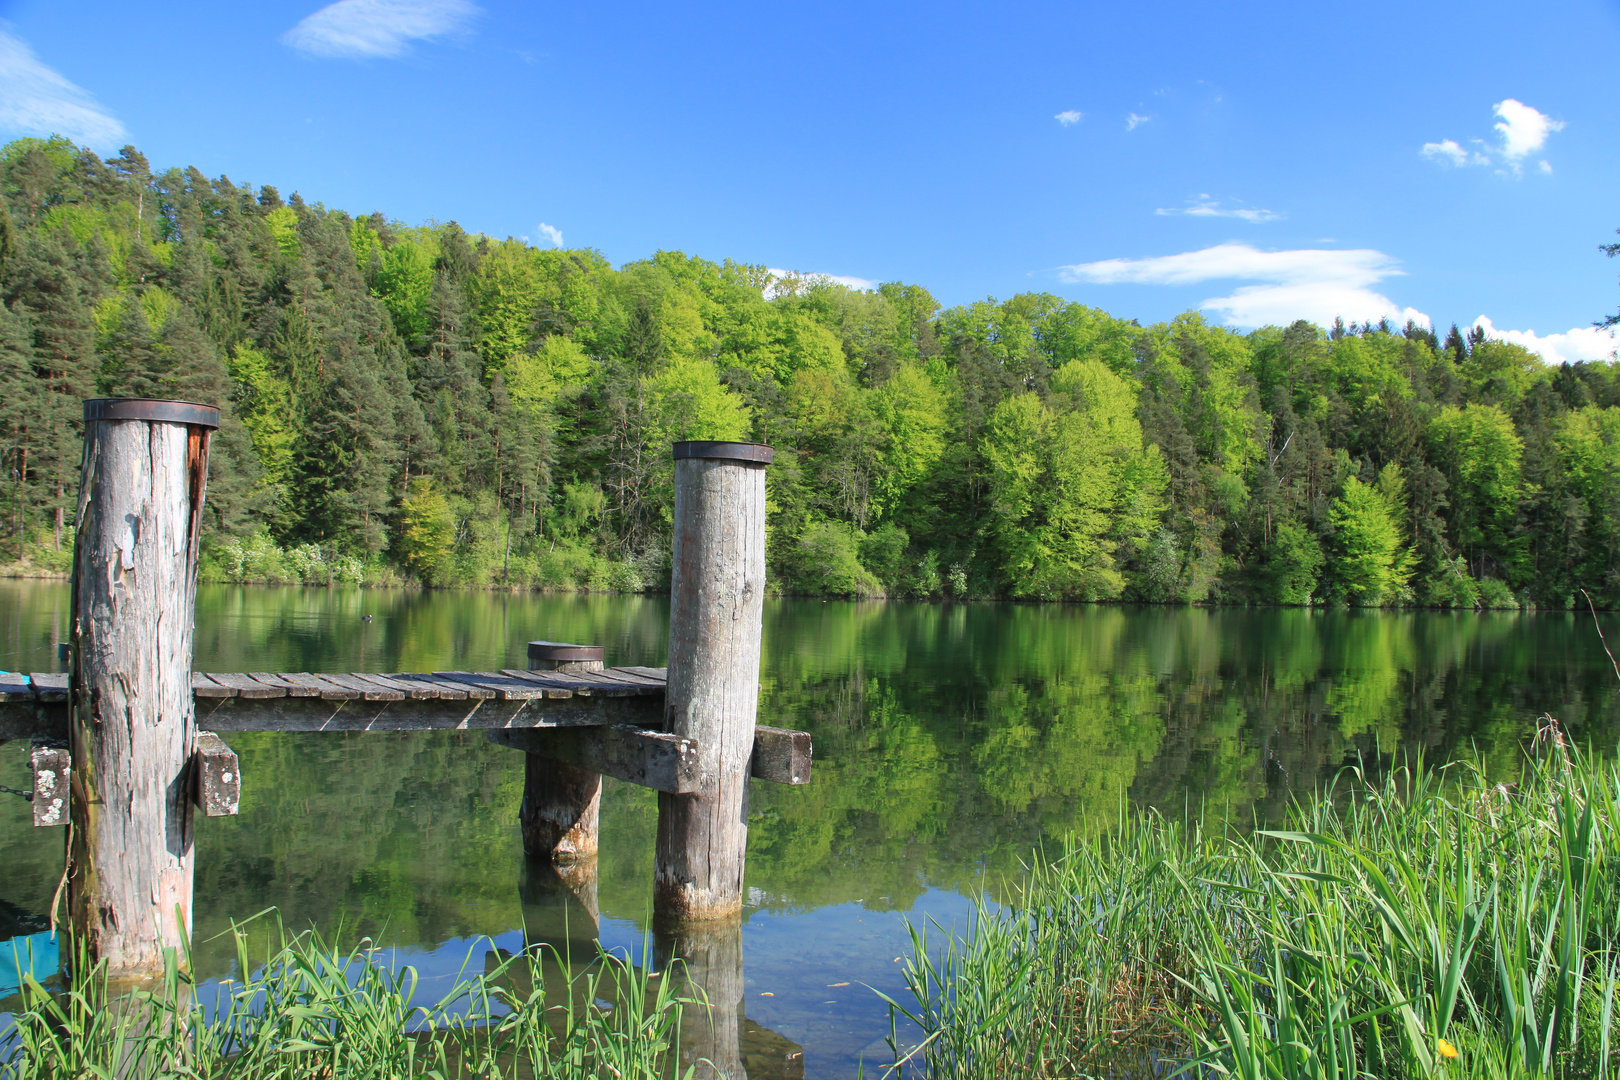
[{"x": 34, "y": 954}]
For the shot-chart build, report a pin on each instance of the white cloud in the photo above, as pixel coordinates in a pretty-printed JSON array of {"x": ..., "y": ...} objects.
[
  {"x": 1581, "y": 343},
  {"x": 550, "y": 233},
  {"x": 1318, "y": 285},
  {"x": 1204, "y": 206},
  {"x": 1448, "y": 151},
  {"x": 791, "y": 280},
  {"x": 367, "y": 28},
  {"x": 1134, "y": 121},
  {"x": 1069, "y": 117},
  {"x": 37, "y": 100},
  {"x": 1521, "y": 131}
]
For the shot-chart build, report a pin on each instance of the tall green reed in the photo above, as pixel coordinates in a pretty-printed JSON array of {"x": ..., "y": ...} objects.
[
  {"x": 1428, "y": 924},
  {"x": 309, "y": 1009}
]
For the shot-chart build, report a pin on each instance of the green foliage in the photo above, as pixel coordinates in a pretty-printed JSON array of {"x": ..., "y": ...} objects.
[
  {"x": 427, "y": 531},
  {"x": 1372, "y": 564},
  {"x": 1027, "y": 447}
]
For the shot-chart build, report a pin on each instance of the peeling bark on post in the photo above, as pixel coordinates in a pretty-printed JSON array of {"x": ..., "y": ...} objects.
[
  {"x": 562, "y": 804},
  {"x": 717, "y": 593},
  {"x": 132, "y": 727}
]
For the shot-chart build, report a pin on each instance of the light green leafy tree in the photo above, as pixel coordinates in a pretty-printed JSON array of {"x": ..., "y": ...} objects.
[
  {"x": 1373, "y": 563},
  {"x": 427, "y": 531}
]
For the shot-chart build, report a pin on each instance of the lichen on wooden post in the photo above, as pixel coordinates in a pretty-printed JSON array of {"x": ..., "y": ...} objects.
[
  {"x": 562, "y": 803},
  {"x": 132, "y": 727},
  {"x": 717, "y": 592}
]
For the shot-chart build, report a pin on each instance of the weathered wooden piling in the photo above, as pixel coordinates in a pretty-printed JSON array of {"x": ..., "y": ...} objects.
[
  {"x": 717, "y": 592},
  {"x": 561, "y": 803},
  {"x": 132, "y": 728}
]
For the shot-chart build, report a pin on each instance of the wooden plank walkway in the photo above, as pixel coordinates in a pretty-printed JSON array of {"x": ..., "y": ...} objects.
[{"x": 363, "y": 701}]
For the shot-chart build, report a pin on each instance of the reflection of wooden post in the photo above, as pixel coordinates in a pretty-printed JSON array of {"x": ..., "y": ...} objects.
[
  {"x": 559, "y": 908},
  {"x": 561, "y": 803},
  {"x": 717, "y": 592},
  {"x": 132, "y": 727},
  {"x": 711, "y": 961}
]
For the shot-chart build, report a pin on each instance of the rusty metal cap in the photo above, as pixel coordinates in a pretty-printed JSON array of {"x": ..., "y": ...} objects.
[
  {"x": 562, "y": 651},
  {"x": 726, "y": 451},
  {"x": 158, "y": 409}
]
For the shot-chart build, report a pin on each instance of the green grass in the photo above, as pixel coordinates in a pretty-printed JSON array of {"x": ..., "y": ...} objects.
[
  {"x": 1433, "y": 924},
  {"x": 310, "y": 1010}
]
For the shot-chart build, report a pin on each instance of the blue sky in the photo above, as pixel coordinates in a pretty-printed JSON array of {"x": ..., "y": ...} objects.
[{"x": 1448, "y": 161}]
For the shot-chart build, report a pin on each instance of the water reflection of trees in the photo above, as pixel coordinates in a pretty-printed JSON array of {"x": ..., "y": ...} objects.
[{"x": 950, "y": 740}]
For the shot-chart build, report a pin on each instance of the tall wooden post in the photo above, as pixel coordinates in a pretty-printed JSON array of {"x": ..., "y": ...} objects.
[
  {"x": 561, "y": 803},
  {"x": 132, "y": 728},
  {"x": 717, "y": 593}
]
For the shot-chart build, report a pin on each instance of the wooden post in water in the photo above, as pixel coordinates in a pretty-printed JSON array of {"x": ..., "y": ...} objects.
[
  {"x": 561, "y": 803},
  {"x": 132, "y": 728},
  {"x": 717, "y": 592}
]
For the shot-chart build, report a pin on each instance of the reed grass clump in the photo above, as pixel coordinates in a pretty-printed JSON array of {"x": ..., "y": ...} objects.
[
  {"x": 1431, "y": 924},
  {"x": 310, "y": 1010}
]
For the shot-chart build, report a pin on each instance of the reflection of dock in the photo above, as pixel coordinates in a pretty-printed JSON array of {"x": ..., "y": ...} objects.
[{"x": 560, "y": 916}]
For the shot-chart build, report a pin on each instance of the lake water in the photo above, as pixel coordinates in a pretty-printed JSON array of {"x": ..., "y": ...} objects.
[{"x": 950, "y": 741}]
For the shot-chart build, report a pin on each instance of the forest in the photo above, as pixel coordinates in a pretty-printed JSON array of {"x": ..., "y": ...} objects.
[{"x": 418, "y": 404}]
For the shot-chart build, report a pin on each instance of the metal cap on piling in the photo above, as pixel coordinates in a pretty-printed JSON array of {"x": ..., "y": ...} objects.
[
  {"x": 725, "y": 451},
  {"x": 563, "y": 652},
  {"x": 159, "y": 409}
]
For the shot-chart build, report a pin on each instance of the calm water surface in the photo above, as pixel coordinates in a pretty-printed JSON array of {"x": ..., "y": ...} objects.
[{"x": 950, "y": 741}]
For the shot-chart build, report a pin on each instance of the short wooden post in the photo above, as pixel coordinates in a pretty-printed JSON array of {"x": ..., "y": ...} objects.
[
  {"x": 717, "y": 593},
  {"x": 561, "y": 803},
  {"x": 132, "y": 727}
]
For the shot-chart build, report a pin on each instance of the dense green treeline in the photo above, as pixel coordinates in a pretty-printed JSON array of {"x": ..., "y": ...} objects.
[{"x": 422, "y": 402}]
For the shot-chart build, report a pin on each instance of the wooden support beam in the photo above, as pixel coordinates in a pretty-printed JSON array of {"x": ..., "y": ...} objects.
[
  {"x": 780, "y": 756},
  {"x": 132, "y": 726},
  {"x": 216, "y": 777},
  {"x": 654, "y": 759},
  {"x": 51, "y": 766},
  {"x": 717, "y": 593},
  {"x": 324, "y": 714}
]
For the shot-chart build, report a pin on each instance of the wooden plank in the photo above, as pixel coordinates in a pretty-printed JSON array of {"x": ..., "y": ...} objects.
[
  {"x": 49, "y": 686},
  {"x": 50, "y": 765},
  {"x": 204, "y": 687},
  {"x": 634, "y": 684},
  {"x": 293, "y": 689},
  {"x": 216, "y": 776},
  {"x": 368, "y": 691},
  {"x": 654, "y": 759},
  {"x": 417, "y": 691},
  {"x": 656, "y": 674},
  {"x": 15, "y": 687},
  {"x": 449, "y": 689},
  {"x": 584, "y": 684},
  {"x": 316, "y": 714},
  {"x": 325, "y": 689},
  {"x": 780, "y": 755},
  {"x": 506, "y": 688},
  {"x": 246, "y": 686}
]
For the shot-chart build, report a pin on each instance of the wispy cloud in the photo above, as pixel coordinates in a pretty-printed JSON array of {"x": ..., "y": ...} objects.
[
  {"x": 1581, "y": 343},
  {"x": 1204, "y": 206},
  {"x": 37, "y": 100},
  {"x": 1521, "y": 132},
  {"x": 550, "y": 233},
  {"x": 790, "y": 281},
  {"x": 1319, "y": 285},
  {"x": 1069, "y": 117},
  {"x": 1135, "y": 120},
  {"x": 377, "y": 28}
]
